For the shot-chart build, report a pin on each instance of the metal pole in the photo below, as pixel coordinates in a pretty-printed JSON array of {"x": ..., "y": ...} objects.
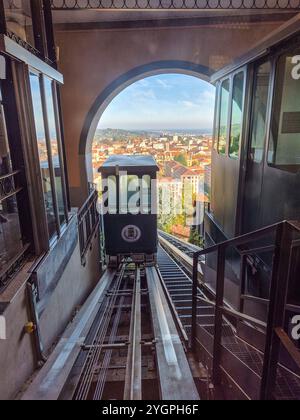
[
  {"x": 133, "y": 378},
  {"x": 219, "y": 315},
  {"x": 194, "y": 301},
  {"x": 276, "y": 316}
]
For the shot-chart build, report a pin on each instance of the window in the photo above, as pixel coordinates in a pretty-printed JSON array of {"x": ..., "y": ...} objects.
[
  {"x": 112, "y": 194},
  {"x": 223, "y": 127},
  {"x": 284, "y": 146},
  {"x": 49, "y": 149},
  {"x": 55, "y": 151},
  {"x": 123, "y": 194},
  {"x": 19, "y": 19},
  {"x": 217, "y": 119},
  {"x": 237, "y": 115},
  {"x": 11, "y": 243},
  {"x": 146, "y": 194},
  {"x": 260, "y": 103},
  {"x": 133, "y": 194},
  {"x": 43, "y": 153}
]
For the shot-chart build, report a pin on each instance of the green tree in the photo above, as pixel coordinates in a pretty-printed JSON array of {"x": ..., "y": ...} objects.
[
  {"x": 196, "y": 238},
  {"x": 181, "y": 158}
]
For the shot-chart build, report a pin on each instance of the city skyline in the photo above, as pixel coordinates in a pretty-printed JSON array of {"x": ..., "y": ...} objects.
[{"x": 164, "y": 102}]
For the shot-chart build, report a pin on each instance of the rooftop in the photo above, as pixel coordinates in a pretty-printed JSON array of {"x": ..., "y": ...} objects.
[{"x": 125, "y": 162}]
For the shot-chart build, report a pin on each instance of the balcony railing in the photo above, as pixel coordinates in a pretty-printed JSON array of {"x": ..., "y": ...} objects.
[
  {"x": 176, "y": 4},
  {"x": 9, "y": 185},
  {"x": 88, "y": 224},
  {"x": 279, "y": 246}
]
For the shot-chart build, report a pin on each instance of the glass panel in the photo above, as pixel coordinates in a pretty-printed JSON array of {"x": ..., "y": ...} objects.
[
  {"x": 19, "y": 19},
  {"x": 146, "y": 194},
  {"x": 43, "y": 152},
  {"x": 129, "y": 194},
  {"x": 112, "y": 194},
  {"x": 123, "y": 194},
  {"x": 217, "y": 119},
  {"x": 133, "y": 194},
  {"x": 10, "y": 232},
  {"x": 55, "y": 151},
  {"x": 237, "y": 115},
  {"x": 284, "y": 147},
  {"x": 260, "y": 103},
  {"x": 224, "y": 116}
]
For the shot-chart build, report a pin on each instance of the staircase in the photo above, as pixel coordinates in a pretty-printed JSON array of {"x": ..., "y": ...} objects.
[{"x": 250, "y": 357}]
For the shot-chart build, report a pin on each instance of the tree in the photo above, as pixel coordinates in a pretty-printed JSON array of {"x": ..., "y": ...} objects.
[
  {"x": 195, "y": 237},
  {"x": 181, "y": 158}
]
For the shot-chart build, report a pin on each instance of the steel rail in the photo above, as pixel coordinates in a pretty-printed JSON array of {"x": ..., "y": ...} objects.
[
  {"x": 133, "y": 378},
  {"x": 101, "y": 336},
  {"x": 87, "y": 369},
  {"x": 65, "y": 5},
  {"x": 107, "y": 358}
]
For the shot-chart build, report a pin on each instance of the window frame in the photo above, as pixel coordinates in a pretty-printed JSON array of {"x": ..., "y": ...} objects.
[
  {"x": 216, "y": 118},
  {"x": 275, "y": 62},
  {"x": 59, "y": 143},
  {"x": 20, "y": 185},
  {"x": 257, "y": 65},
  {"x": 225, "y": 79},
  {"x": 41, "y": 77},
  {"x": 242, "y": 71},
  {"x": 42, "y": 28}
]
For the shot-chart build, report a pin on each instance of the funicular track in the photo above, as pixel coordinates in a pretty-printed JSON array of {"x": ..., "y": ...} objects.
[
  {"x": 131, "y": 349},
  {"x": 243, "y": 357}
]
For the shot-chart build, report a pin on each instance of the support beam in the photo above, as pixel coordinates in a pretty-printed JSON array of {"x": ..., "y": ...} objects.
[{"x": 176, "y": 379}]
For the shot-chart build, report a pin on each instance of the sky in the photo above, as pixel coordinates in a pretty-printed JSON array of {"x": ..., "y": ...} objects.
[{"x": 169, "y": 101}]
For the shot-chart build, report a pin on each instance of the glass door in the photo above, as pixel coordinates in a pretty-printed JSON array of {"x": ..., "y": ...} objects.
[{"x": 256, "y": 152}]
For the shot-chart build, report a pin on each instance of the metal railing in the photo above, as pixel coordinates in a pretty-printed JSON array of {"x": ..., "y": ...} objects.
[
  {"x": 176, "y": 4},
  {"x": 88, "y": 224},
  {"x": 10, "y": 269},
  {"x": 9, "y": 185},
  {"x": 285, "y": 238}
]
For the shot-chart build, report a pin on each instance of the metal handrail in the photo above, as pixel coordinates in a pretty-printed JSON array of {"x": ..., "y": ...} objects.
[
  {"x": 2, "y": 177},
  {"x": 173, "y": 5},
  {"x": 283, "y": 244}
]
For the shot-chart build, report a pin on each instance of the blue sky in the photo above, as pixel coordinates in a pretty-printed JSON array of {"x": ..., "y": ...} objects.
[{"x": 171, "y": 101}]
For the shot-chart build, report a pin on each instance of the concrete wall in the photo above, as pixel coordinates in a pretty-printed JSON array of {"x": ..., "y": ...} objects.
[
  {"x": 18, "y": 350},
  {"x": 73, "y": 288},
  {"x": 92, "y": 60}
]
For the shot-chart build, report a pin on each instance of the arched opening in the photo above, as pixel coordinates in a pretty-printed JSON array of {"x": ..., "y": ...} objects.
[
  {"x": 112, "y": 90},
  {"x": 170, "y": 117}
]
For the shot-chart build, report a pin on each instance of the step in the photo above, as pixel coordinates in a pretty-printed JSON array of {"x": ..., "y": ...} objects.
[
  {"x": 180, "y": 292},
  {"x": 201, "y": 319},
  {"x": 184, "y": 297},
  {"x": 251, "y": 335},
  {"x": 185, "y": 310}
]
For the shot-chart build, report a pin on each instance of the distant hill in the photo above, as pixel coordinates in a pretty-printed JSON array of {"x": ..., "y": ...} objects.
[{"x": 117, "y": 133}]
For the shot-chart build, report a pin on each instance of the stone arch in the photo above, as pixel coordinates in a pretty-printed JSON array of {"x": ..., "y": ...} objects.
[{"x": 117, "y": 86}]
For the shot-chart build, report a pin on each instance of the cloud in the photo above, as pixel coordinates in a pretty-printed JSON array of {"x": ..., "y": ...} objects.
[
  {"x": 163, "y": 84},
  {"x": 189, "y": 104},
  {"x": 162, "y": 101},
  {"x": 144, "y": 94},
  {"x": 141, "y": 83}
]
